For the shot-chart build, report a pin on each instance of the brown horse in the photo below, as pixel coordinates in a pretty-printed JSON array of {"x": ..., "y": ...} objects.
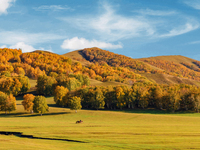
[{"x": 79, "y": 121}]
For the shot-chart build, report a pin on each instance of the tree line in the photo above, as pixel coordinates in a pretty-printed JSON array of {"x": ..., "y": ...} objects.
[
  {"x": 30, "y": 102},
  {"x": 73, "y": 91},
  {"x": 141, "y": 95},
  {"x": 11, "y": 86}
]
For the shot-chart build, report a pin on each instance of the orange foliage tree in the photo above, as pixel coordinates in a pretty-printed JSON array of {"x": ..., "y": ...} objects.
[{"x": 28, "y": 102}]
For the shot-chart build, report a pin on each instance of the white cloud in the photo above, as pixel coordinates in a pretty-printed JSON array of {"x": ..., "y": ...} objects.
[
  {"x": 13, "y": 37},
  {"x": 27, "y": 48},
  {"x": 193, "y": 3},
  {"x": 80, "y": 43},
  {"x": 181, "y": 30},
  {"x": 155, "y": 12},
  {"x": 52, "y": 8},
  {"x": 4, "y": 5},
  {"x": 24, "y": 47}
]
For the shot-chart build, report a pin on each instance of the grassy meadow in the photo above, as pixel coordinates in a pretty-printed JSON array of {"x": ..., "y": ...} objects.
[
  {"x": 102, "y": 129},
  {"x": 147, "y": 129}
]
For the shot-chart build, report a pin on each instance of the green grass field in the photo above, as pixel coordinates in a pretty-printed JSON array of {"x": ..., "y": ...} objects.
[
  {"x": 102, "y": 129},
  {"x": 137, "y": 129}
]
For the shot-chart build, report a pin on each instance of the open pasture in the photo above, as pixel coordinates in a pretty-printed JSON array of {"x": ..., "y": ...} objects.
[{"x": 100, "y": 130}]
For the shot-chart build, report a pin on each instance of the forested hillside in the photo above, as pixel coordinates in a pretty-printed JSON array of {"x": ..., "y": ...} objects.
[
  {"x": 145, "y": 83},
  {"x": 182, "y": 69},
  {"x": 170, "y": 69},
  {"x": 116, "y": 60}
]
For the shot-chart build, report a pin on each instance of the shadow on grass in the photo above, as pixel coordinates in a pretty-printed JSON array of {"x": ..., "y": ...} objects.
[
  {"x": 11, "y": 114},
  {"x": 47, "y": 114},
  {"x": 21, "y": 135},
  {"x": 54, "y": 105},
  {"x": 31, "y": 115},
  {"x": 151, "y": 111},
  {"x": 19, "y": 97}
]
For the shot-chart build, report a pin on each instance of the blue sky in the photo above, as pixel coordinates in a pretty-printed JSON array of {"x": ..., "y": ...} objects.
[{"x": 135, "y": 28}]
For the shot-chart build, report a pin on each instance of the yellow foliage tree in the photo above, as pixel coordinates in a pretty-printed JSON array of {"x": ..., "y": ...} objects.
[
  {"x": 59, "y": 93},
  {"x": 7, "y": 102},
  {"x": 28, "y": 102}
]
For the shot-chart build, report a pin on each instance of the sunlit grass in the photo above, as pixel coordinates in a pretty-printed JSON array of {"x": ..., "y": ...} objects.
[
  {"x": 102, "y": 129},
  {"x": 33, "y": 82}
]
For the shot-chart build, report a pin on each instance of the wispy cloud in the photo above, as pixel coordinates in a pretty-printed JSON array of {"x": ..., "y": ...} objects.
[
  {"x": 155, "y": 12},
  {"x": 80, "y": 43},
  {"x": 52, "y": 7},
  {"x": 4, "y": 5},
  {"x": 110, "y": 26},
  {"x": 194, "y": 42},
  {"x": 13, "y": 37},
  {"x": 181, "y": 30},
  {"x": 193, "y": 3}
]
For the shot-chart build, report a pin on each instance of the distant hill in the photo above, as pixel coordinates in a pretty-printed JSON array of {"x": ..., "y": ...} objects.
[
  {"x": 174, "y": 69},
  {"x": 182, "y": 60},
  {"x": 102, "y": 67}
]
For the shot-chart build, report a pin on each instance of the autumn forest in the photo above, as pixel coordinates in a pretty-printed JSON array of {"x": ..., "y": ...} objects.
[{"x": 170, "y": 83}]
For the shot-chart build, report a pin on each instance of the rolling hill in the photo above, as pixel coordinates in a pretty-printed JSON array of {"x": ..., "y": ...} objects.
[
  {"x": 161, "y": 69},
  {"x": 103, "y": 66}
]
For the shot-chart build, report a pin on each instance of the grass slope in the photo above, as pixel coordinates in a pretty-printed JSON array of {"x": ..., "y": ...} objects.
[
  {"x": 169, "y": 79},
  {"x": 76, "y": 56},
  {"x": 178, "y": 59},
  {"x": 175, "y": 58},
  {"x": 142, "y": 129}
]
